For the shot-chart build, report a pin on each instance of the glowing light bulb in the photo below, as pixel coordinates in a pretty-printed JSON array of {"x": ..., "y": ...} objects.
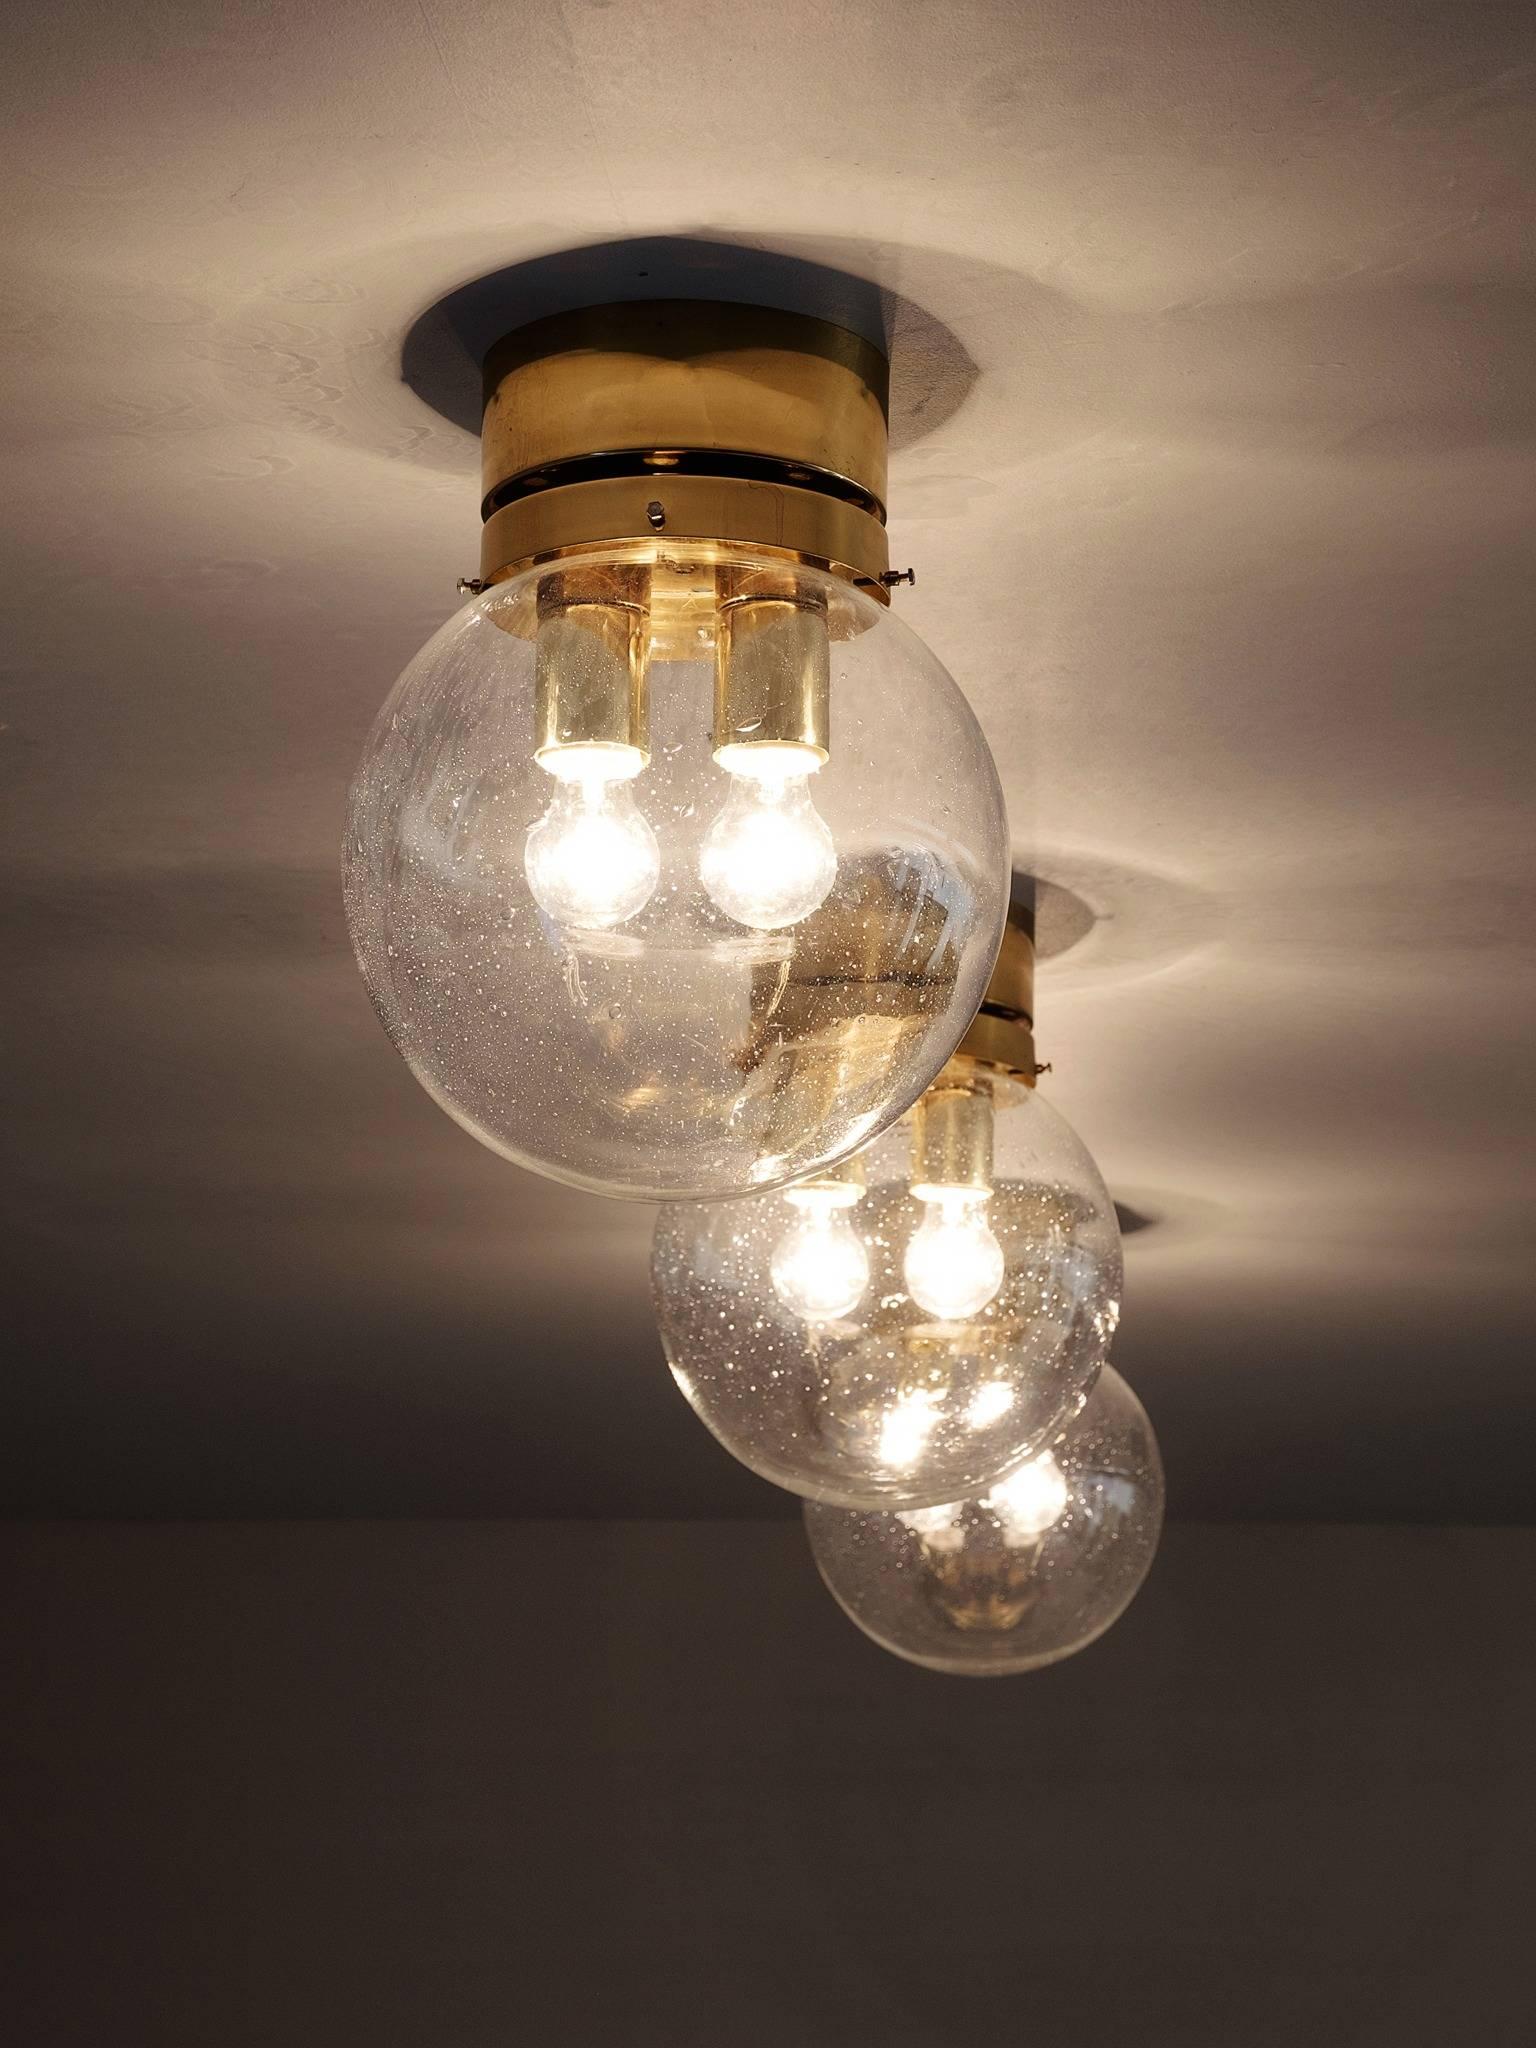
[
  {"x": 820, "y": 1267},
  {"x": 906, "y": 1428},
  {"x": 768, "y": 860},
  {"x": 989, "y": 1404},
  {"x": 1030, "y": 1500},
  {"x": 941, "y": 1529},
  {"x": 954, "y": 1264},
  {"x": 592, "y": 860}
]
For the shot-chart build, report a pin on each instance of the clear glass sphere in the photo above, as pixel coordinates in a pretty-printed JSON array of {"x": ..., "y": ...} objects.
[
  {"x": 792, "y": 1323},
  {"x": 644, "y": 962},
  {"x": 1023, "y": 1575}
]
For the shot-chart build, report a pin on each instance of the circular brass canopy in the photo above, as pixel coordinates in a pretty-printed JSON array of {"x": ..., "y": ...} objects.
[{"x": 688, "y": 419}]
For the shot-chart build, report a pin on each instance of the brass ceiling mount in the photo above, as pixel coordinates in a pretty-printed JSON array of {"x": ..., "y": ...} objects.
[{"x": 706, "y": 423}]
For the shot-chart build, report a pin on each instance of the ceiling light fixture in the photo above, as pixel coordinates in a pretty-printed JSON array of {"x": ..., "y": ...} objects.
[
  {"x": 903, "y": 1330},
  {"x": 675, "y": 864}
]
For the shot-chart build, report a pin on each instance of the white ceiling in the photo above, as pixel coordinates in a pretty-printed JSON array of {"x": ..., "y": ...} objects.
[{"x": 1229, "y": 543}]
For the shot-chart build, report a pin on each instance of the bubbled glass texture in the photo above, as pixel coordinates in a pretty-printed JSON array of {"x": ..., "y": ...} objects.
[
  {"x": 976, "y": 1589},
  {"x": 886, "y": 1405},
  {"x": 679, "y": 1053}
]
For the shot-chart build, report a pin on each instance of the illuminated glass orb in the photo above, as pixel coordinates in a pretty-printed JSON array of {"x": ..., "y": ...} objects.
[
  {"x": 1025, "y": 1574},
  {"x": 675, "y": 877},
  {"x": 901, "y": 1330}
]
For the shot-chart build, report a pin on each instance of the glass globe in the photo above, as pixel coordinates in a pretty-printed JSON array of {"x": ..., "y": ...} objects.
[
  {"x": 1025, "y": 1574},
  {"x": 901, "y": 1330},
  {"x": 663, "y": 907}
]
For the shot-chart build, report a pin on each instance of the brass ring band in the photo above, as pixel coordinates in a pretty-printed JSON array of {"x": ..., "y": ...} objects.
[
  {"x": 659, "y": 466},
  {"x": 1004, "y": 1043},
  {"x": 801, "y": 525}
]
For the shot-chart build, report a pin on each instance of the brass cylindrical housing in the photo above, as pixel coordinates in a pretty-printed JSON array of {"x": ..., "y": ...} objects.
[
  {"x": 1001, "y": 1034},
  {"x": 1012, "y": 986},
  {"x": 690, "y": 420},
  {"x": 669, "y": 379},
  {"x": 591, "y": 661},
  {"x": 772, "y": 676},
  {"x": 839, "y": 1186},
  {"x": 952, "y": 1138}
]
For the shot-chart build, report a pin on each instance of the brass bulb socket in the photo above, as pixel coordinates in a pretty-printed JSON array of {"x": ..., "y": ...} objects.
[
  {"x": 952, "y": 1138},
  {"x": 839, "y": 1186},
  {"x": 772, "y": 676},
  {"x": 590, "y": 665}
]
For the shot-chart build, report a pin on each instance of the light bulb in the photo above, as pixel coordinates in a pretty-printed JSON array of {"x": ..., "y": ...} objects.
[
  {"x": 592, "y": 861},
  {"x": 1030, "y": 1500},
  {"x": 954, "y": 1264},
  {"x": 1021, "y": 1575},
  {"x": 989, "y": 1404},
  {"x": 941, "y": 1528},
  {"x": 768, "y": 859},
  {"x": 905, "y": 1428},
  {"x": 819, "y": 1266}
]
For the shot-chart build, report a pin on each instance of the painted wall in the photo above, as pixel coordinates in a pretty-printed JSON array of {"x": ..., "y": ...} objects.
[{"x": 445, "y": 1785}]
